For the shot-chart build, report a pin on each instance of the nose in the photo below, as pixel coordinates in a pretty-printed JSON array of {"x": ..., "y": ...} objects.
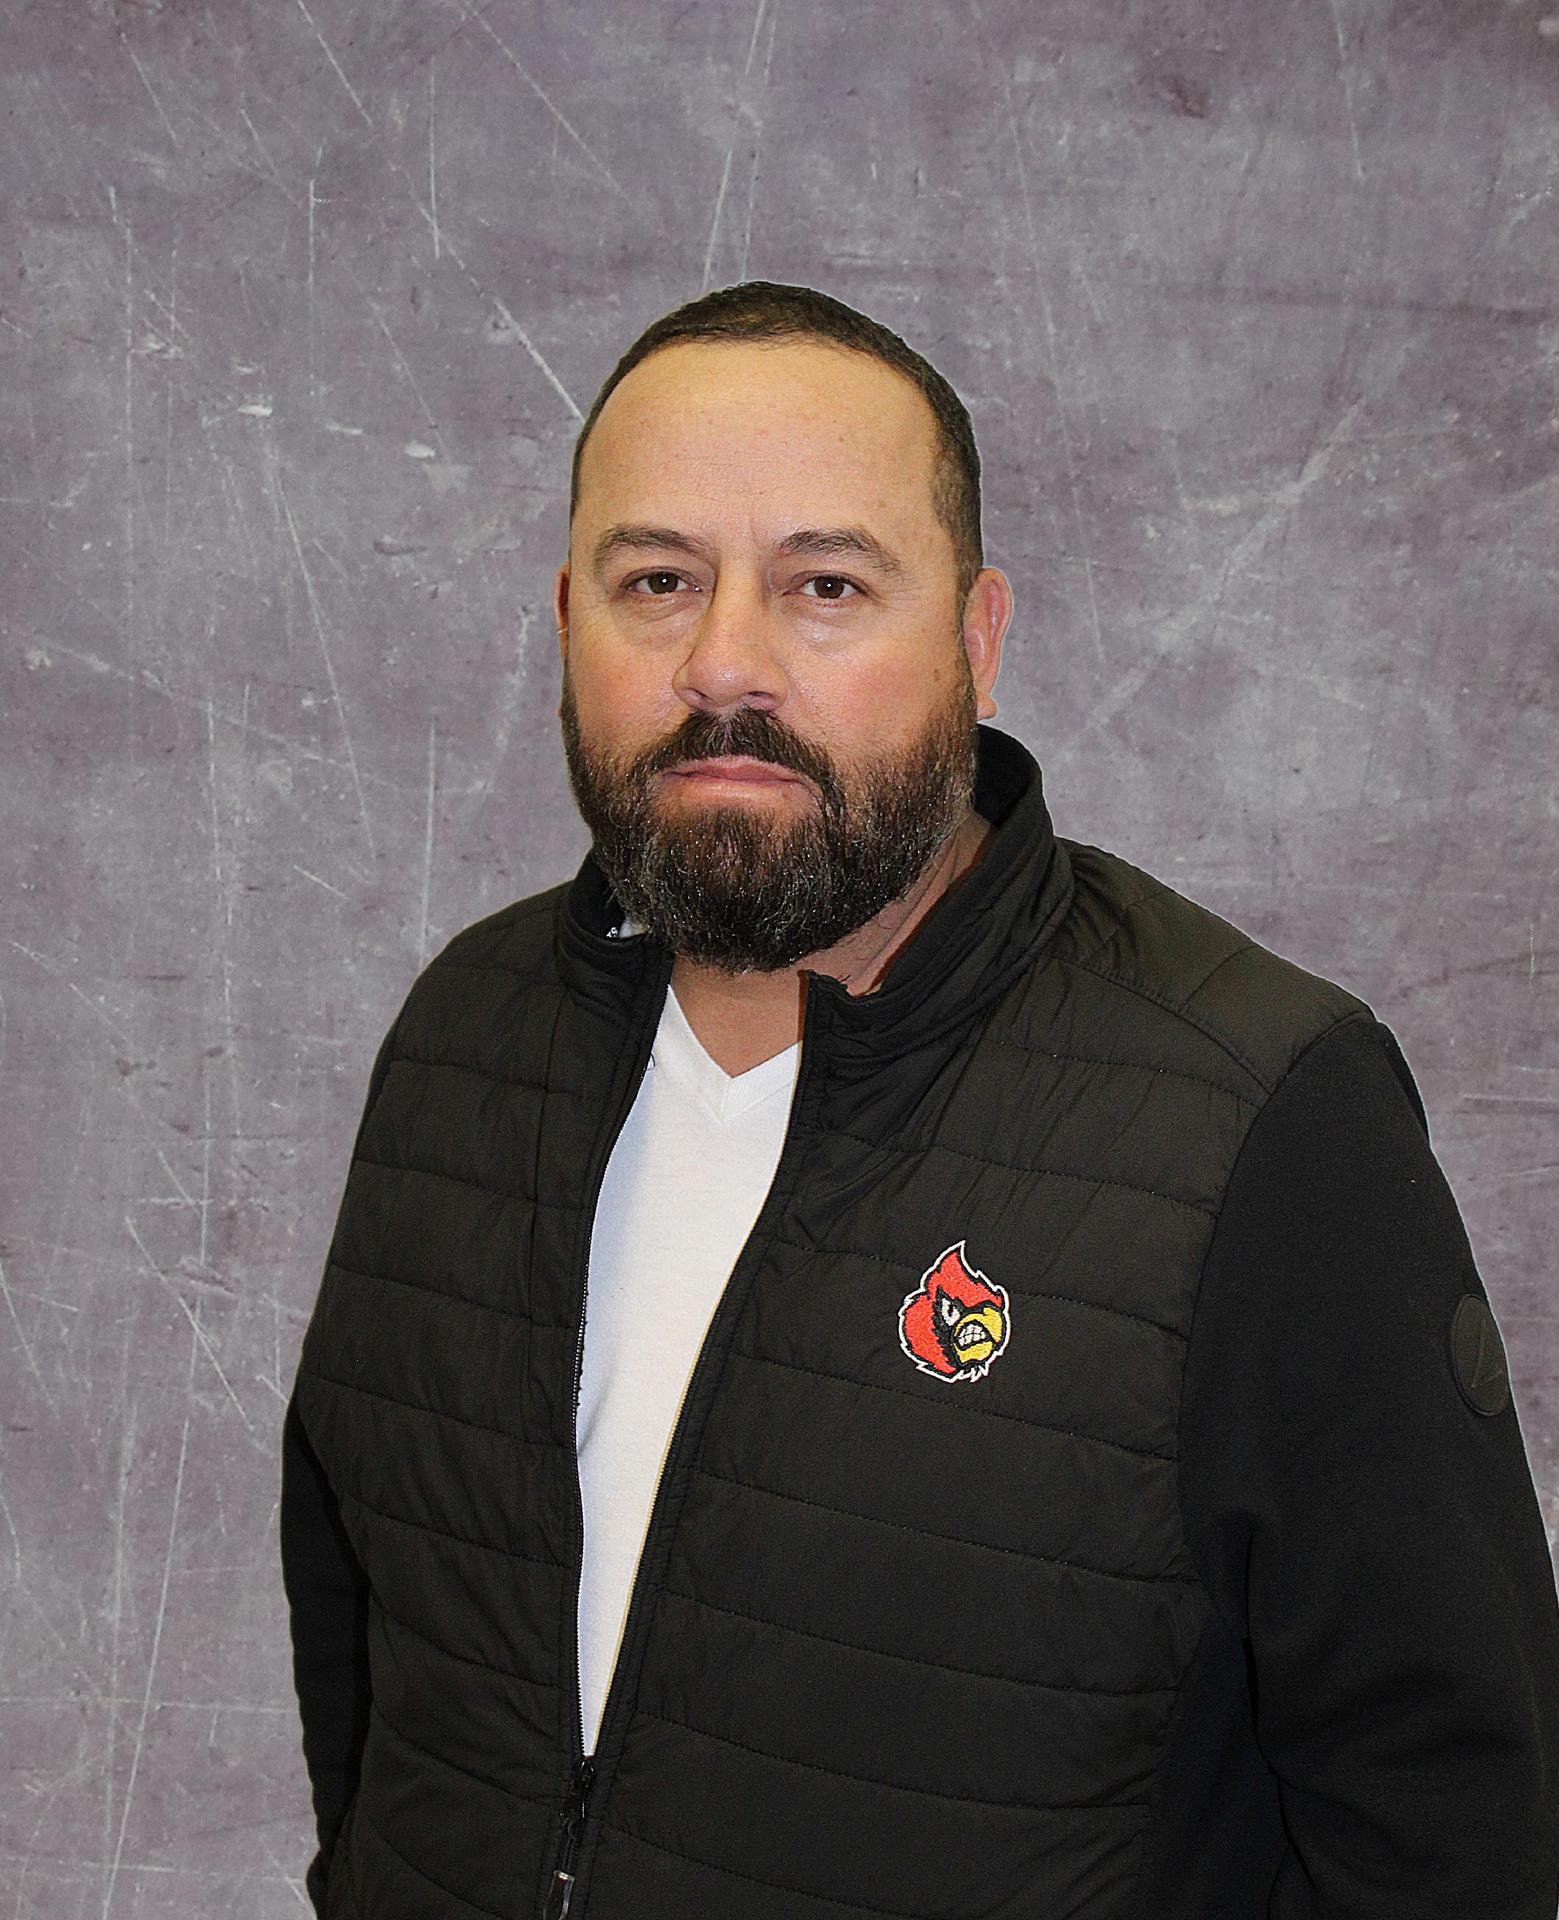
[{"x": 731, "y": 660}]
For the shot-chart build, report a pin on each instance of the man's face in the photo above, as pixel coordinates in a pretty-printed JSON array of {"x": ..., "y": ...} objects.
[{"x": 769, "y": 736}]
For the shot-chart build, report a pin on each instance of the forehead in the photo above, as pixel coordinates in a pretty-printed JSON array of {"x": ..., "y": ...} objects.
[{"x": 786, "y": 423}]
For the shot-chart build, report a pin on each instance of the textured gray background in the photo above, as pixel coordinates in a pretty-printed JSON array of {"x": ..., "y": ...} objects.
[{"x": 302, "y": 304}]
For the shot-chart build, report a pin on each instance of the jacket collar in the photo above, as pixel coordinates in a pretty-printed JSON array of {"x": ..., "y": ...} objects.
[{"x": 968, "y": 949}]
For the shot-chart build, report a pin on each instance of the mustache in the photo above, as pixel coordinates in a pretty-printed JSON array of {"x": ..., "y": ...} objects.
[{"x": 750, "y": 732}]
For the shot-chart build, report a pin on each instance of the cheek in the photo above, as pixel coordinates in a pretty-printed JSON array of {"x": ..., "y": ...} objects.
[
  {"x": 875, "y": 702},
  {"x": 615, "y": 698}
]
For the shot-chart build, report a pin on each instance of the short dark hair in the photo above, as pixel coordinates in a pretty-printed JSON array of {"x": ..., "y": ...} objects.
[{"x": 770, "y": 310}]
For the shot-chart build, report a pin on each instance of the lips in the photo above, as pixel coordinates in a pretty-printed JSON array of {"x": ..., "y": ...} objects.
[{"x": 736, "y": 770}]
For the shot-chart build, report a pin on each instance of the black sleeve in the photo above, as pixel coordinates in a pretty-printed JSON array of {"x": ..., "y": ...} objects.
[
  {"x": 1358, "y": 1500},
  {"x": 327, "y": 1600}
]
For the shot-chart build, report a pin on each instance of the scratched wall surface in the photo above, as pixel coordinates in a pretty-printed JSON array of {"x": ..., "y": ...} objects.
[{"x": 302, "y": 305}]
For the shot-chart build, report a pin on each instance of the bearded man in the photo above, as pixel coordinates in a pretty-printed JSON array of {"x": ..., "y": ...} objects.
[{"x": 876, "y": 1360}]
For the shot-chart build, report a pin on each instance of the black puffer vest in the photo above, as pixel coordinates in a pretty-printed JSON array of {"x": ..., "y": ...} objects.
[{"x": 915, "y": 1608}]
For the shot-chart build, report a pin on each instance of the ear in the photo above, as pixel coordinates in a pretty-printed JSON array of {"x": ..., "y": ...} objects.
[
  {"x": 987, "y": 613},
  {"x": 560, "y": 610}
]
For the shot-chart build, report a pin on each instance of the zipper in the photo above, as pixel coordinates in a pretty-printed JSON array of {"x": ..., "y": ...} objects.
[
  {"x": 647, "y": 1572},
  {"x": 576, "y": 1793},
  {"x": 560, "y": 1888}
]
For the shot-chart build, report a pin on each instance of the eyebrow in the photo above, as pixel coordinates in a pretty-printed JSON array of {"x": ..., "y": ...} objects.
[{"x": 820, "y": 542}]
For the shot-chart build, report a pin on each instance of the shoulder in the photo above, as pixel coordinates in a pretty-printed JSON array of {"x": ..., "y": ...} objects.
[
  {"x": 473, "y": 1000},
  {"x": 517, "y": 939},
  {"x": 1134, "y": 951}
]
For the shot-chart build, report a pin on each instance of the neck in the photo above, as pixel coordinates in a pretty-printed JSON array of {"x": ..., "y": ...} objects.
[{"x": 743, "y": 1019}]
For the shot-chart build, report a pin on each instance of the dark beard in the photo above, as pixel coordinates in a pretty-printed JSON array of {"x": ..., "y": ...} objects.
[{"x": 732, "y": 888}]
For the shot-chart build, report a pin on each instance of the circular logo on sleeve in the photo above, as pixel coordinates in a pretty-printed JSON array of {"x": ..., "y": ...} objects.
[{"x": 1478, "y": 1356}]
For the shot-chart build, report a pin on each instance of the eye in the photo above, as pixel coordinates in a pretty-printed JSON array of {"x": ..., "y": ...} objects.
[
  {"x": 951, "y": 1313},
  {"x": 838, "y": 580},
  {"x": 658, "y": 573}
]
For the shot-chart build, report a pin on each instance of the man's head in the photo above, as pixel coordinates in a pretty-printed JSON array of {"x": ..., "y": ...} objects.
[{"x": 777, "y": 635}]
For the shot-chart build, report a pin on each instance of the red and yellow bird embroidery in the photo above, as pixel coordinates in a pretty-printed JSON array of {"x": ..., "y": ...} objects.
[{"x": 955, "y": 1322}]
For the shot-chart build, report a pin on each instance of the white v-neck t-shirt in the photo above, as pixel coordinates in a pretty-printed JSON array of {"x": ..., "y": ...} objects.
[{"x": 684, "y": 1184}]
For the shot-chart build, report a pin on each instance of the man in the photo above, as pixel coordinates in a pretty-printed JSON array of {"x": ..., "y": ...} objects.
[{"x": 1033, "y": 1442}]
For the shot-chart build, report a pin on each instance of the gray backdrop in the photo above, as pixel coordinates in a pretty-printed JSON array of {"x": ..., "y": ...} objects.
[{"x": 1254, "y": 307}]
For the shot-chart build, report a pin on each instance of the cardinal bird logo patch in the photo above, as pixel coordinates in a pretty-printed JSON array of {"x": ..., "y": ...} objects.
[{"x": 955, "y": 1322}]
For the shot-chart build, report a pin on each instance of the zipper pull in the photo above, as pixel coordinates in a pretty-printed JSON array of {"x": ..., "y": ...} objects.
[{"x": 560, "y": 1889}]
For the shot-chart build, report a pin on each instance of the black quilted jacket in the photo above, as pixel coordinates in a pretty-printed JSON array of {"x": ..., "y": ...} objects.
[{"x": 1099, "y": 1495}]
